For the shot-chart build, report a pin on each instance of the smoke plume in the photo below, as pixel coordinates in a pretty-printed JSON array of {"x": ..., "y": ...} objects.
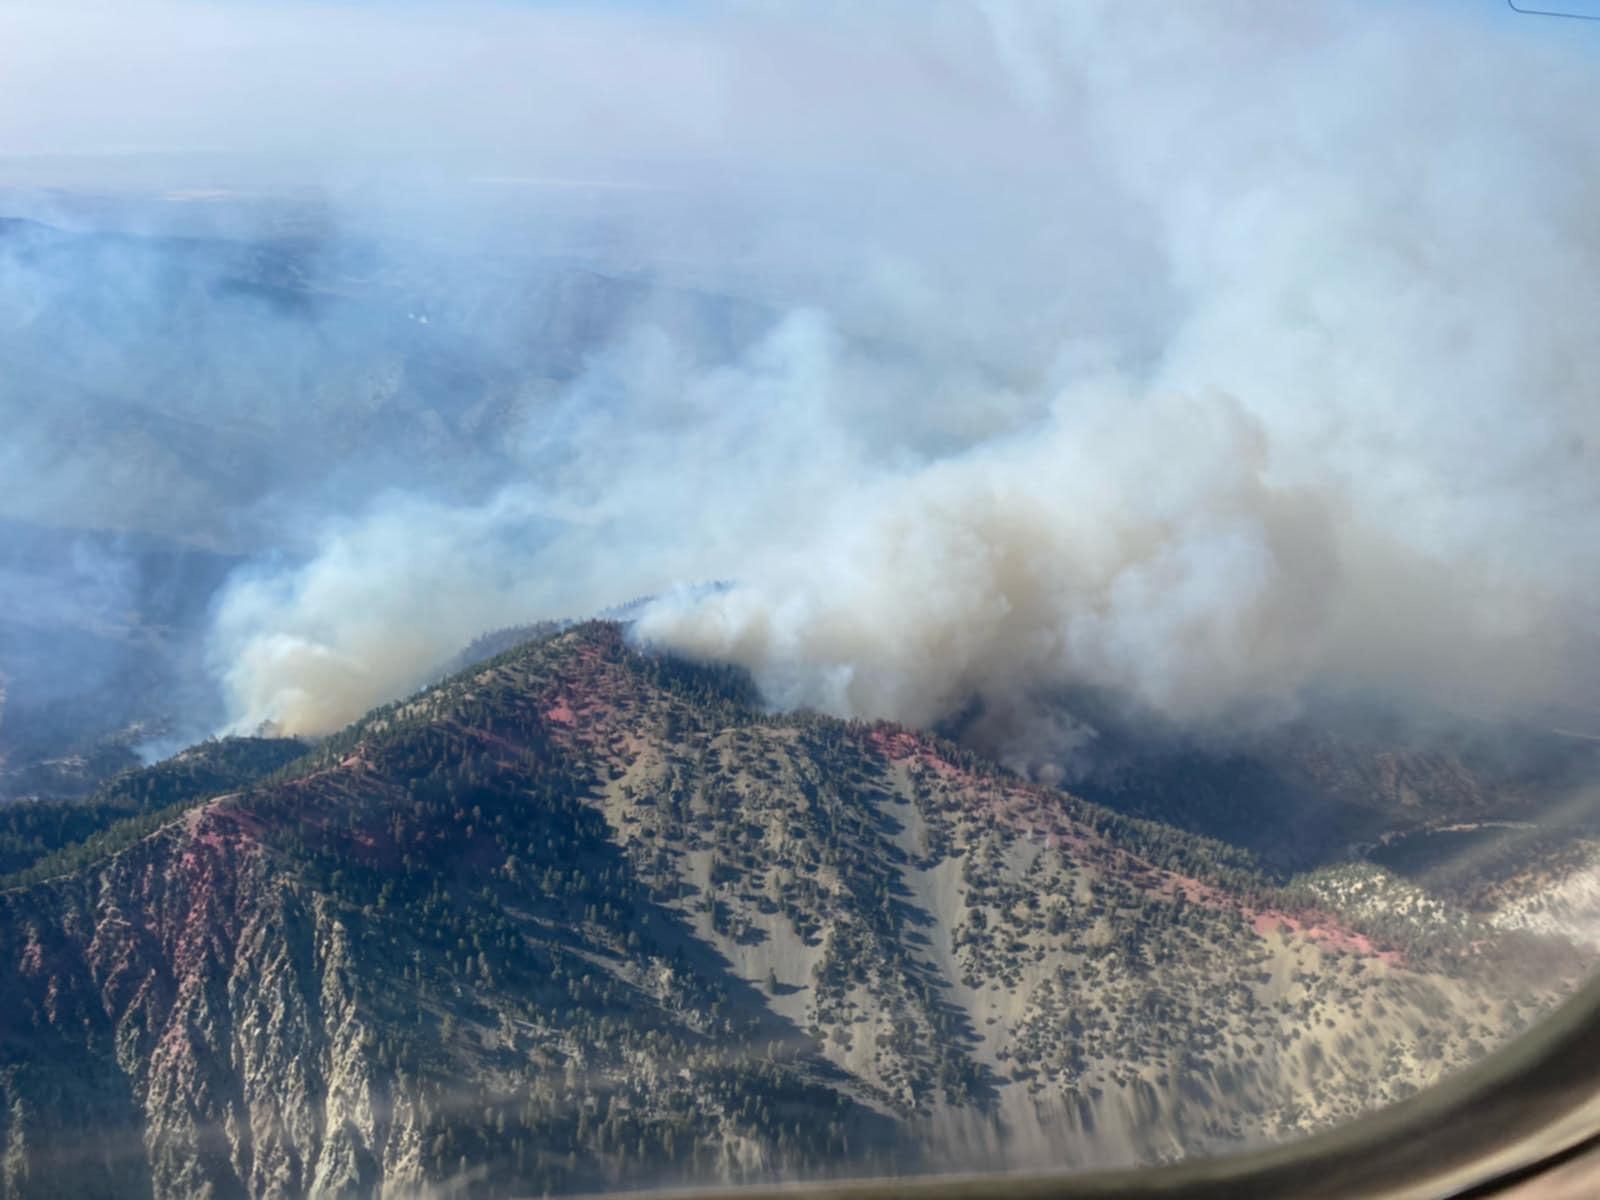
[{"x": 1210, "y": 357}]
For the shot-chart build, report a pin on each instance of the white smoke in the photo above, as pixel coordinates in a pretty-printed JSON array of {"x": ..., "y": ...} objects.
[{"x": 1222, "y": 353}]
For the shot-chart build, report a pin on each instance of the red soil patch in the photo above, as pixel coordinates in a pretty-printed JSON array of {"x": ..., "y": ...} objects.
[
  {"x": 1325, "y": 932},
  {"x": 587, "y": 716},
  {"x": 902, "y": 746}
]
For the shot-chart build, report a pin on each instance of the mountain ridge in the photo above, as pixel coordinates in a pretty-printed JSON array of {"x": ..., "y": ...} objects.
[{"x": 584, "y": 917}]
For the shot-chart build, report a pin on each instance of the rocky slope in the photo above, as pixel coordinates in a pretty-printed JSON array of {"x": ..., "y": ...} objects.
[{"x": 582, "y": 917}]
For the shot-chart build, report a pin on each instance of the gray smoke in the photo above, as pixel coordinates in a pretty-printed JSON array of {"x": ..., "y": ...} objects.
[
  {"x": 1362, "y": 458},
  {"x": 1210, "y": 356}
]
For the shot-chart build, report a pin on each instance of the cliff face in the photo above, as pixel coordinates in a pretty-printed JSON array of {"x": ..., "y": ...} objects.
[
  {"x": 581, "y": 918},
  {"x": 168, "y": 1024}
]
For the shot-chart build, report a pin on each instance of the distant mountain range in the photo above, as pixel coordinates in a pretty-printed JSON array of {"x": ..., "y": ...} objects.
[{"x": 581, "y": 917}]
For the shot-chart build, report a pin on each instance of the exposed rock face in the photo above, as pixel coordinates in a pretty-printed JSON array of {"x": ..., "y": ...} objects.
[{"x": 583, "y": 918}]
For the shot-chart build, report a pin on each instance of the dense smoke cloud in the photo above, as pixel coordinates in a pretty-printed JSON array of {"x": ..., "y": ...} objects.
[
  {"x": 1208, "y": 356},
  {"x": 1362, "y": 458}
]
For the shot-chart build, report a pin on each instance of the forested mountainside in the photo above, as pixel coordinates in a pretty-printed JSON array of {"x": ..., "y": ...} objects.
[
  {"x": 43, "y": 838},
  {"x": 1357, "y": 780},
  {"x": 583, "y": 917}
]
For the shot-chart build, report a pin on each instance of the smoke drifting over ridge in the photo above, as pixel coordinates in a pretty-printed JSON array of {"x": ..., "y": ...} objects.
[
  {"x": 1363, "y": 457},
  {"x": 1211, "y": 356}
]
